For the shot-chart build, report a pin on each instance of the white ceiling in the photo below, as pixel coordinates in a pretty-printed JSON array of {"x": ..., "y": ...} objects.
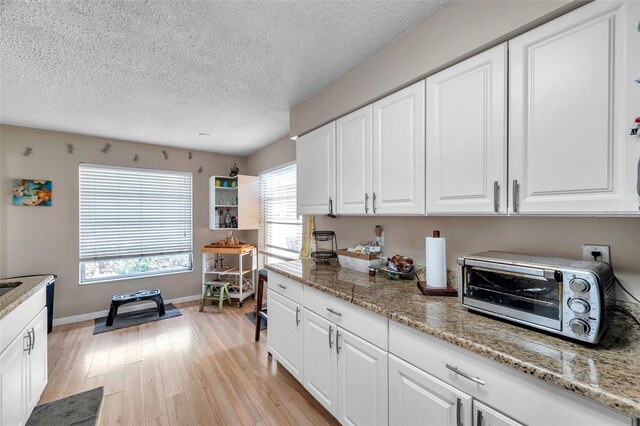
[{"x": 163, "y": 71}]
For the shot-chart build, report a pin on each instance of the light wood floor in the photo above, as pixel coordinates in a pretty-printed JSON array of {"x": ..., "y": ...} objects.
[{"x": 199, "y": 368}]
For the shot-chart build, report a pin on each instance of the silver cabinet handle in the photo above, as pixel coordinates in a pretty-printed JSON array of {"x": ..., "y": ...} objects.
[
  {"x": 496, "y": 194},
  {"x": 334, "y": 312},
  {"x": 374, "y": 202},
  {"x": 330, "y": 205},
  {"x": 366, "y": 202},
  {"x": 330, "y": 331},
  {"x": 337, "y": 342},
  {"x": 33, "y": 338},
  {"x": 28, "y": 348},
  {"x": 458, "y": 412},
  {"x": 297, "y": 316},
  {"x": 465, "y": 375},
  {"x": 516, "y": 195},
  {"x": 284, "y": 287}
]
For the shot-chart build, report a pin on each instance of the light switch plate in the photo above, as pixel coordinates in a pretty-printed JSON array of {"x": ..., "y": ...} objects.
[{"x": 587, "y": 249}]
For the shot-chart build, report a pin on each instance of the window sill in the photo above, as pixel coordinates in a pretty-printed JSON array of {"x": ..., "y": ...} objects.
[{"x": 112, "y": 279}]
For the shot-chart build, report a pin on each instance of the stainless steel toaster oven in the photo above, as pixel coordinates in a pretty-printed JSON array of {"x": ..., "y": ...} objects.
[{"x": 572, "y": 298}]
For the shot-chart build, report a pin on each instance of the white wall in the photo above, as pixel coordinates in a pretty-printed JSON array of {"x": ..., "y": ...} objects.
[{"x": 46, "y": 239}]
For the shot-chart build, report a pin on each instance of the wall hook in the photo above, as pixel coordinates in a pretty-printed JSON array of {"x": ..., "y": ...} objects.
[
  {"x": 28, "y": 151},
  {"x": 136, "y": 158},
  {"x": 200, "y": 170},
  {"x": 107, "y": 148},
  {"x": 70, "y": 148},
  {"x": 190, "y": 155},
  {"x": 166, "y": 155}
]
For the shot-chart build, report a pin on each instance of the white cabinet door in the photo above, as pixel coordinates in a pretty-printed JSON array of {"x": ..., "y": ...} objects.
[
  {"x": 316, "y": 170},
  {"x": 13, "y": 382},
  {"x": 484, "y": 415},
  {"x": 467, "y": 136},
  {"x": 320, "y": 360},
  {"x": 569, "y": 145},
  {"x": 354, "y": 150},
  {"x": 285, "y": 333},
  {"x": 362, "y": 381},
  {"x": 399, "y": 152},
  {"x": 417, "y": 398},
  {"x": 37, "y": 360}
]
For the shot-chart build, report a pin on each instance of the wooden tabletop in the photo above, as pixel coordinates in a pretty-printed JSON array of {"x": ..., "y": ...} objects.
[{"x": 216, "y": 248}]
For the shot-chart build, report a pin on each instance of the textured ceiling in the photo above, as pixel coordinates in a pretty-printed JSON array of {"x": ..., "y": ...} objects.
[{"x": 163, "y": 71}]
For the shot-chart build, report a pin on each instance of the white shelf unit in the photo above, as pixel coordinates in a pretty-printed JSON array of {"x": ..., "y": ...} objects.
[
  {"x": 238, "y": 200},
  {"x": 241, "y": 278}
]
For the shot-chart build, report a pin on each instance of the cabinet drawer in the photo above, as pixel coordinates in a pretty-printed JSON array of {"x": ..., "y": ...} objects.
[
  {"x": 364, "y": 324},
  {"x": 16, "y": 320},
  {"x": 285, "y": 286},
  {"x": 561, "y": 407}
]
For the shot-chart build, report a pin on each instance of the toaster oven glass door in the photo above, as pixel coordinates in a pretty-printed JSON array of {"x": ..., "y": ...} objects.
[{"x": 525, "y": 295}]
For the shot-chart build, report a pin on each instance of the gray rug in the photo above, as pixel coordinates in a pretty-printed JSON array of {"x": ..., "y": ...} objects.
[
  {"x": 80, "y": 409},
  {"x": 251, "y": 316},
  {"x": 129, "y": 319}
]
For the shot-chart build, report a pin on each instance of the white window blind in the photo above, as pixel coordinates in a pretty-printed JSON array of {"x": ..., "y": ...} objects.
[
  {"x": 129, "y": 213},
  {"x": 281, "y": 231}
]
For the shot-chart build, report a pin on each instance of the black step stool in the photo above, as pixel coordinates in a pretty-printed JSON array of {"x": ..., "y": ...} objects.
[{"x": 137, "y": 296}]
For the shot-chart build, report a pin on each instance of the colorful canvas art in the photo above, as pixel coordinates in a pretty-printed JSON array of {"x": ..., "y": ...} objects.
[{"x": 27, "y": 192}]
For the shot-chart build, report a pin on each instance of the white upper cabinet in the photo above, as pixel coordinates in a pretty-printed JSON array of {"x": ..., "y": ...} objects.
[
  {"x": 466, "y": 136},
  {"x": 316, "y": 170},
  {"x": 354, "y": 163},
  {"x": 399, "y": 152},
  {"x": 572, "y": 101}
]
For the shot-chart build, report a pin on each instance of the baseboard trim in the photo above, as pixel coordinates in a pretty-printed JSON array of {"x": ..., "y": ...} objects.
[{"x": 131, "y": 308}]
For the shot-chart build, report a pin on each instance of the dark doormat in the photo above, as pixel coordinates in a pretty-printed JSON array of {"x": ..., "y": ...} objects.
[
  {"x": 130, "y": 319},
  {"x": 252, "y": 317},
  {"x": 80, "y": 409}
]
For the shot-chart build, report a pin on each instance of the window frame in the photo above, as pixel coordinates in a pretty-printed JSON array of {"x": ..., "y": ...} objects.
[{"x": 150, "y": 274}]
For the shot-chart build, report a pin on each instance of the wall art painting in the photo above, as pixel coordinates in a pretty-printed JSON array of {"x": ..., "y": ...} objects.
[{"x": 28, "y": 192}]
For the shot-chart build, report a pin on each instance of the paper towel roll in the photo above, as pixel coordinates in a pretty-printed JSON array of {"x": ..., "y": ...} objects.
[{"x": 436, "y": 262}]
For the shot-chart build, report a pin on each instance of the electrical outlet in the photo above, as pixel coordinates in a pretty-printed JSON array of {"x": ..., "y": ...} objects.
[{"x": 605, "y": 252}]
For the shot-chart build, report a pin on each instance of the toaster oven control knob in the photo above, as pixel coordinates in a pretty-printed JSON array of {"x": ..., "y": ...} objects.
[
  {"x": 579, "y": 285},
  {"x": 579, "y": 326},
  {"x": 579, "y": 306}
]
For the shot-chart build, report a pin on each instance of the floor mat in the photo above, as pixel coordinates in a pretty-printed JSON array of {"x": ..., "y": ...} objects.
[
  {"x": 129, "y": 319},
  {"x": 251, "y": 316},
  {"x": 80, "y": 409}
]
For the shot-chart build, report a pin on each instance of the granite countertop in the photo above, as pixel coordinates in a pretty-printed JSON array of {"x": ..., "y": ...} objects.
[
  {"x": 13, "y": 299},
  {"x": 606, "y": 373}
]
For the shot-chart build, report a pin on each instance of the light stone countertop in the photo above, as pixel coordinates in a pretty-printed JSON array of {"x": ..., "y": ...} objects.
[
  {"x": 607, "y": 373},
  {"x": 13, "y": 299}
]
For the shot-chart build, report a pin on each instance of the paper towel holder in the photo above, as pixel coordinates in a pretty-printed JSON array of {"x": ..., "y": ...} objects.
[{"x": 447, "y": 291}]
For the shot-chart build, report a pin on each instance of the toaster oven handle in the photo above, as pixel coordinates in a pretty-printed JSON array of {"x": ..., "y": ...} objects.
[{"x": 501, "y": 267}]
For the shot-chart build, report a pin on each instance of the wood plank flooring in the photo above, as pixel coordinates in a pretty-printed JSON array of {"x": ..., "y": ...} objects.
[{"x": 196, "y": 369}]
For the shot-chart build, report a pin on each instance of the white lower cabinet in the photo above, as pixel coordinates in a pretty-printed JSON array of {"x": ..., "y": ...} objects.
[
  {"x": 285, "y": 333},
  {"x": 483, "y": 415},
  {"x": 418, "y": 398},
  {"x": 12, "y": 382},
  {"x": 23, "y": 372},
  {"x": 346, "y": 375},
  {"x": 320, "y": 360},
  {"x": 362, "y": 381}
]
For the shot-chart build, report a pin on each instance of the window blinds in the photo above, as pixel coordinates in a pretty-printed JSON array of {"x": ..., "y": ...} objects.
[
  {"x": 127, "y": 212},
  {"x": 281, "y": 231}
]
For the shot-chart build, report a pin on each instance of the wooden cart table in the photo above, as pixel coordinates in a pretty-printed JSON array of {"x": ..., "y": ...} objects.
[{"x": 242, "y": 278}]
